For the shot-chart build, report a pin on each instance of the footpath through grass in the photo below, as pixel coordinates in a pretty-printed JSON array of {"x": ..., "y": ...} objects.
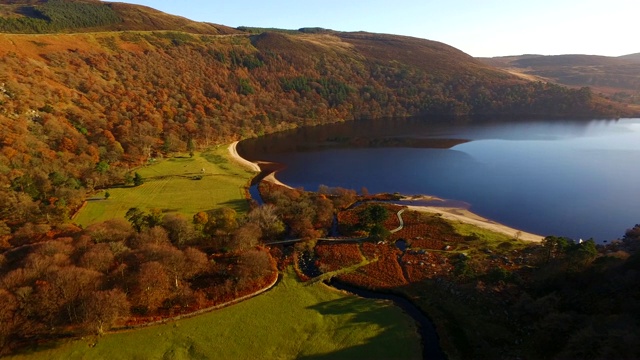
[
  {"x": 292, "y": 321},
  {"x": 169, "y": 185}
]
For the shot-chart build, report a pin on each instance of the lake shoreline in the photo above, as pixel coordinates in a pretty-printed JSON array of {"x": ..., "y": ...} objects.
[{"x": 451, "y": 213}]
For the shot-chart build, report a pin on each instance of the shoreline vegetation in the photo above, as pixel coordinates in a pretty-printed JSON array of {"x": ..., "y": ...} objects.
[{"x": 450, "y": 213}]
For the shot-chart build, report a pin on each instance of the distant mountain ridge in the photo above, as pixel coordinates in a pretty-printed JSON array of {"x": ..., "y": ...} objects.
[
  {"x": 618, "y": 77},
  {"x": 632, "y": 57}
]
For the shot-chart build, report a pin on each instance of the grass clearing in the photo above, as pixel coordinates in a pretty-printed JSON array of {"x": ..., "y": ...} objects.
[
  {"x": 169, "y": 185},
  {"x": 487, "y": 239},
  {"x": 293, "y": 320}
]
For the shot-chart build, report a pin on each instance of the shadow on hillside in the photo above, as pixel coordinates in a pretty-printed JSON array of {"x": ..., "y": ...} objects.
[
  {"x": 35, "y": 348},
  {"x": 238, "y": 205},
  {"x": 392, "y": 341},
  {"x": 31, "y": 12}
]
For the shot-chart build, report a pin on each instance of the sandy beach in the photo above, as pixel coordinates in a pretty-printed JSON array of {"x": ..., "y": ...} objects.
[
  {"x": 272, "y": 179},
  {"x": 233, "y": 151},
  {"x": 449, "y": 213},
  {"x": 466, "y": 216}
]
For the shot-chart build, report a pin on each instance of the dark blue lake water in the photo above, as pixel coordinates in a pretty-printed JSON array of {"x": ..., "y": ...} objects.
[{"x": 579, "y": 179}]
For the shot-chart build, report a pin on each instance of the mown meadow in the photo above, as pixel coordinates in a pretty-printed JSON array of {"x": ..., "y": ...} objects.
[{"x": 176, "y": 184}]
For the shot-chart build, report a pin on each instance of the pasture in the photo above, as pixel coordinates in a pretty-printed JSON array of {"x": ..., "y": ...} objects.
[
  {"x": 293, "y": 320},
  {"x": 175, "y": 184}
]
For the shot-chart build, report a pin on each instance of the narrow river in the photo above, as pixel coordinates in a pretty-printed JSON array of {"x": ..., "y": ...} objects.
[{"x": 429, "y": 337}]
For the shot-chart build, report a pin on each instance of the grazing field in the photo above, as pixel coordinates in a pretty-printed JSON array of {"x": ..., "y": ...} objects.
[
  {"x": 171, "y": 185},
  {"x": 294, "y": 320}
]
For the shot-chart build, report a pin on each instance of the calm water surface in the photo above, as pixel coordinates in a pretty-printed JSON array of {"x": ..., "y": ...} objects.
[{"x": 573, "y": 178}]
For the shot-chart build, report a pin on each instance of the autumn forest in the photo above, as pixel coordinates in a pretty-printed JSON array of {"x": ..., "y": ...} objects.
[{"x": 85, "y": 100}]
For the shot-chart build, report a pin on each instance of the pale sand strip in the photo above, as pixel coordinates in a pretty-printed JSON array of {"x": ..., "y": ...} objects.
[
  {"x": 272, "y": 179},
  {"x": 466, "y": 216},
  {"x": 233, "y": 151}
]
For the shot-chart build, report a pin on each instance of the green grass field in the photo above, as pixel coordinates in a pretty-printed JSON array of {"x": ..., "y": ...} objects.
[
  {"x": 487, "y": 239},
  {"x": 293, "y": 320},
  {"x": 170, "y": 187}
]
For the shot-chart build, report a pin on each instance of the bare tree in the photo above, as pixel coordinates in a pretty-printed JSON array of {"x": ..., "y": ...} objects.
[
  {"x": 112, "y": 230},
  {"x": 246, "y": 237},
  {"x": 267, "y": 219},
  {"x": 252, "y": 265},
  {"x": 99, "y": 258},
  {"x": 102, "y": 308},
  {"x": 179, "y": 229},
  {"x": 152, "y": 286}
]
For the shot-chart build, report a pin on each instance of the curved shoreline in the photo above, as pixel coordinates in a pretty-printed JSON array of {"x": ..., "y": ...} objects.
[
  {"x": 233, "y": 151},
  {"x": 468, "y": 217},
  {"x": 451, "y": 213},
  {"x": 270, "y": 176}
]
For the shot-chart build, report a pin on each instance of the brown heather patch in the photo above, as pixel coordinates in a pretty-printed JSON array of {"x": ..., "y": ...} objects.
[
  {"x": 333, "y": 257},
  {"x": 385, "y": 273}
]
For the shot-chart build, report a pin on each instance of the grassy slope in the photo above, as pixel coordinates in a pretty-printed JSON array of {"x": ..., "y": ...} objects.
[
  {"x": 168, "y": 186},
  {"x": 293, "y": 320}
]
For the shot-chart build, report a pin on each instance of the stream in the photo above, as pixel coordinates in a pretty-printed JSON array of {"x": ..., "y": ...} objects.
[
  {"x": 426, "y": 330},
  {"x": 429, "y": 337}
]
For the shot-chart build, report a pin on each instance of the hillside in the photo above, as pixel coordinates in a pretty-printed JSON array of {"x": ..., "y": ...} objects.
[
  {"x": 632, "y": 57},
  {"x": 617, "y": 77},
  {"x": 90, "y": 92},
  {"x": 78, "y": 110},
  {"x": 54, "y": 16}
]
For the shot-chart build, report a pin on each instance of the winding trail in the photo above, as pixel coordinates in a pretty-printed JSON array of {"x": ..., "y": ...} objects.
[
  {"x": 343, "y": 240},
  {"x": 399, "y": 214}
]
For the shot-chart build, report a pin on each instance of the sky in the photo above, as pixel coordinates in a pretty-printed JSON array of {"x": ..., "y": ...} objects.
[{"x": 481, "y": 28}]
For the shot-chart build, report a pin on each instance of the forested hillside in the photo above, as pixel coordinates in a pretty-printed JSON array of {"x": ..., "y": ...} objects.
[
  {"x": 78, "y": 110},
  {"x": 53, "y": 16},
  {"x": 91, "y": 90}
]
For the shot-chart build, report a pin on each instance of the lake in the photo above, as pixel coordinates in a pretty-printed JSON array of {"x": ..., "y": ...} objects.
[{"x": 574, "y": 178}]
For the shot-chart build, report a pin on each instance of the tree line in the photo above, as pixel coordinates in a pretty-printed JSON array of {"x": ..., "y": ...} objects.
[{"x": 123, "y": 271}]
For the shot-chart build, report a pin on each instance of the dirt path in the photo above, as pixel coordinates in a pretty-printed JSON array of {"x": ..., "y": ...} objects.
[{"x": 401, "y": 226}]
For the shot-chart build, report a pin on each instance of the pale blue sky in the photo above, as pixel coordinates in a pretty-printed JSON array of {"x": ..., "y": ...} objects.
[{"x": 477, "y": 27}]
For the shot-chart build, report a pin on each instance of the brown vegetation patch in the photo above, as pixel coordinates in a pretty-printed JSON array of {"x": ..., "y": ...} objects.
[
  {"x": 420, "y": 266},
  {"x": 333, "y": 257},
  {"x": 384, "y": 273}
]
